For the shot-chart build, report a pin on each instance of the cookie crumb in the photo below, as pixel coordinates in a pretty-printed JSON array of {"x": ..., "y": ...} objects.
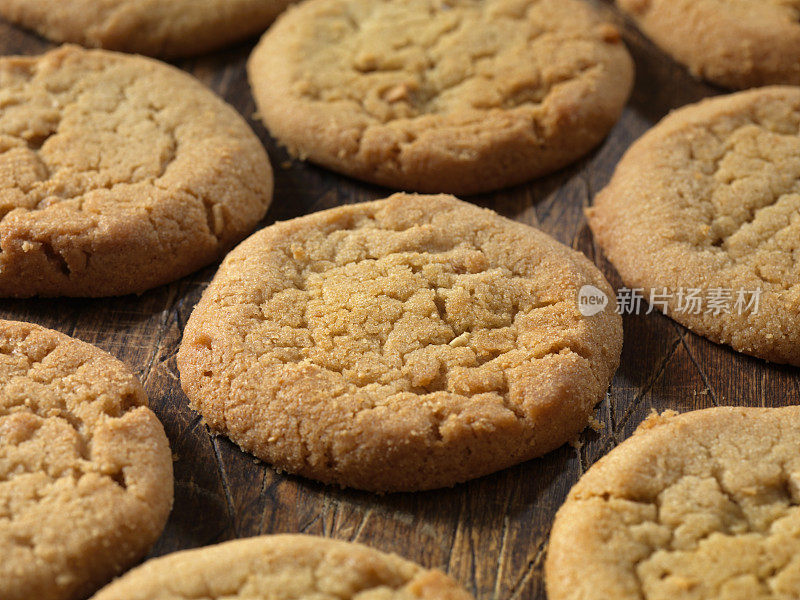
[{"x": 461, "y": 341}]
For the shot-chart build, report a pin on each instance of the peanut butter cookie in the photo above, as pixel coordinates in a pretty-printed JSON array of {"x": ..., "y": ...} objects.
[
  {"x": 701, "y": 506},
  {"x": 735, "y": 43},
  {"x": 289, "y": 567},
  {"x": 404, "y": 344},
  {"x": 117, "y": 174},
  {"x": 165, "y": 28},
  {"x": 457, "y": 96},
  {"x": 85, "y": 467},
  {"x": 707, "y": 204}
]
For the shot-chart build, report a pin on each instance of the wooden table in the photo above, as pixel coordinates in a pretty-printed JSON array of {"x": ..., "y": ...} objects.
[{"x": 489, "y": 534}]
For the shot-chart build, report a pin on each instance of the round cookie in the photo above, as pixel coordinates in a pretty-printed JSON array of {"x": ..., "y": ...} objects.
[
  {"x": 85, "y": 467},
  {"x": 289, "y": 567},
  {"x": 404, "y": 344},
  {"x": 461, "y": 96},
  {"x": 708, "y": 201},
  {"x": 734, "y": 43},
  {"x": 166, "y": 28},
  {"x": 701, "y": 506},
  {"x": 118, "y": 174}
]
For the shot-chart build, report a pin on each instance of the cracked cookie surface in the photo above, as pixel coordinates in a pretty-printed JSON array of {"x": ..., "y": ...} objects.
[
  {"x": 409, "y": 343},
  {"x": 165, "y": 28},
  {"x": 709, "y": 199},
  {"x": 700, "y": 506},
  {"x": 118, "y": 174},
  {"x": 735, "y": 43},
  {"x": 85, "y": 467},
  {"x": 455, "y": 96},
  {"x": 289, "y": 567}
]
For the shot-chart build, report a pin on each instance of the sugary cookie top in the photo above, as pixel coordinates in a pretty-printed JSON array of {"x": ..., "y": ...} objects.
[
  {"x": 414, "y": 296},
  {"x": 714, "y": 192},
  {"x": 165, "y": 28},
  {"x": 403, "y": 93},
  {"x": 292, "y": 567},
  {"x": 101, "y": 151},
  {"x": 704, "y": 505},
  {"x": 85, "y": 467},
  {"x": 401, "y": 60},
  {"x": 734, "y": 43},
  {"x": 789, "y": 8},
  {"x": 417, "y": 296},
  {"x": 731, "y": 186},
  {"x": 422, "y": 311}
]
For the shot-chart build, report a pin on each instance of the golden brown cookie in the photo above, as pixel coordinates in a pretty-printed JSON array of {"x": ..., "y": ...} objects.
[
  {"x": 288, "y": 567},
  {"x": 701, "y": 506},
  {"x": 735, "y": 43},
  {"x": 457, "y": 96},
  {"x": 85, "y": 467},
  {"x": 166, "y": 28},
  {"x": 118, "y": 174},
  {"x": 707, "y": 202},
  {"x": 405, "y": 344}
]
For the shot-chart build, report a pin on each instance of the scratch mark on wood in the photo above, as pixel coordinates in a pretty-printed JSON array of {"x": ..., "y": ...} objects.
[
  {"x": 659, "y": 370},
  {"x": 363, "y": 523},
  {"x": 162, "y": 334},
  {"x": 547, "y": 206},
  {"x": 533, "y": 565},
  {"x": 703, "y": 376},
  {"x": 456, "y": 536},
  {"x": 501, "y": 557},
  {"x": 614, "y": 438},
  {"x": 308, "y": 524},
  {"x": 330, "y": 513},
  {"x": 472, "y": 566},
  {"x": 269, "y": 494},
  {"x": 225, "y": 487},
  {"x": 189, "y": 427}
]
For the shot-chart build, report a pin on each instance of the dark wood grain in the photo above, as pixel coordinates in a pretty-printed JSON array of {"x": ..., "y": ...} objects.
[{"x": 489, "y": 534}]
